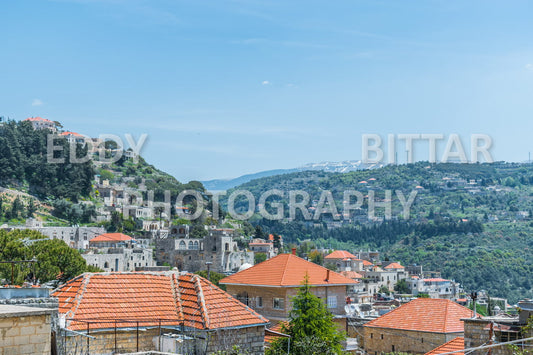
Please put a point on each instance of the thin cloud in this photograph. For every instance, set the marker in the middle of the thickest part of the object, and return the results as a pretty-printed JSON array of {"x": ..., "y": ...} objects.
[
  {"x": 529, "y": 67},
  {"x": 37, "y": 102},
  {"x": 265, "y": 82}
]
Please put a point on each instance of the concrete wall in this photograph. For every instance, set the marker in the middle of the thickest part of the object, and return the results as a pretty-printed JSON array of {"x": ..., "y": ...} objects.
[
  {"x": 24, "y": 330},
  {"x": 378, "y": 340}
]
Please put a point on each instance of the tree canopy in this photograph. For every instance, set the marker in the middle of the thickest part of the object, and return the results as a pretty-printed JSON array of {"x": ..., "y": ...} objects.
[{"x": 310, "y": 327}]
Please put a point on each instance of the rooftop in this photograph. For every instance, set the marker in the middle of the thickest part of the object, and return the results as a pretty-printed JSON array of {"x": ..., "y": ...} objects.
[
  {"x": 111, "y": 237},
  {"x": 425, "y": 315},
  {"x": 341, "y": 254},
  {"x": 286, "y": 270},
  {"x": 394, "y": 266},
  {"x": 453, "y": 345},
  {"x": 175, "y": 298},
  {"x": 37, "y": 119}
]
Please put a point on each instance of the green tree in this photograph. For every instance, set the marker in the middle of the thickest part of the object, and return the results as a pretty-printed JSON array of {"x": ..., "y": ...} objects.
[
  {"x": 259, "y": 257},
  {"x": 401, "y": 287},
  {"x": 310, "y": 326}
]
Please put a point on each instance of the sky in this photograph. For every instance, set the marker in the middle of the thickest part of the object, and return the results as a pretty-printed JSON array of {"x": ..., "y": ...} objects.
[{"x": 225, "y": 88}]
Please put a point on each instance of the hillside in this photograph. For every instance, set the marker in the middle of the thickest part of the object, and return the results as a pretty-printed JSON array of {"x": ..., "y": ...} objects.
[
  {"x": 472, "y": 222},
  {"x": 335, "y": 167}
]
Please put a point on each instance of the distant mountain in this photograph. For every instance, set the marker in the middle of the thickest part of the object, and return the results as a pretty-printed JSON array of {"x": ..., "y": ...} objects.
[{"x": 332, "y": 167}]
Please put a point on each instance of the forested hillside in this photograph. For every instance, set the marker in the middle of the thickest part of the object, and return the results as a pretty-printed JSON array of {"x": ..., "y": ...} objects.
[
  {"x": 24, "y": 164},
  {"x": 473, "y": 222}
]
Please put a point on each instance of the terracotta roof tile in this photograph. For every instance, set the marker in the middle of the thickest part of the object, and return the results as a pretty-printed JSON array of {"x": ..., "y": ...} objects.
[
  {"x": 351, "y": 274},
  {"x": 37, "y": 119},
  {"x": 175, "y": 298},
  {"x": 425, "y": 315},
  {"x": 286, "y": 270},
  {"x": 453, "y": 345},
  {"x": 340, "y": 254},
  {"x": 111, "y": 237},
  {"x": 394, "y": 266}
]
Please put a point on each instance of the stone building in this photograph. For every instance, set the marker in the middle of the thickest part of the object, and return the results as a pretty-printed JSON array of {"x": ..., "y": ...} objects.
[
  {"x": 269, "y": 286},
  {"x": 41, "y": 123},
  {"x": 416, "y": 327},
  {"x": 141, "y": 311},
  {"x": 434, "y": 287},
  {"x": 118, "y": 252},
  {"x": 502, "y": 327},
  {"x": 191, "y": 254},
  {"x": 25, "y": 330}
]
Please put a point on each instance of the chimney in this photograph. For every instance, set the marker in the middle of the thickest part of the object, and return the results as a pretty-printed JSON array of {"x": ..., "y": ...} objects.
[
  {"x": 293, "y": 251},
  {"x": 327, "y": 276}
]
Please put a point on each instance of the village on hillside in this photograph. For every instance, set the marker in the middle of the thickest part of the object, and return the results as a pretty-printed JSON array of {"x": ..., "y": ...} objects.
[{"x": 171, "y": 288}]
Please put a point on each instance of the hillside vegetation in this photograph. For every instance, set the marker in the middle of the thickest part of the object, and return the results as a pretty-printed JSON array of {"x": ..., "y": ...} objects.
[{"x": 470, "y": 221}]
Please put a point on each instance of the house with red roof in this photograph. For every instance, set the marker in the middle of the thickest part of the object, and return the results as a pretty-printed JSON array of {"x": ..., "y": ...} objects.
[
  {"x": 269, "y": 286},
  {"x": 416, "y": 327},
  {"x": 344, "y": 261},
  {"x": 154, "y": 311},
  {"x": 41, "y": 123},
  {"x": 117, "y": 252},
  {"x": 73, "y": 137}
]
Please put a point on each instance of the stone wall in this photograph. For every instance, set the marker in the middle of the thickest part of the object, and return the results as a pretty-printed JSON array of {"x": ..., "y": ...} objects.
[
  {"x": 249, "y": 295},
  {"x": 378, "y": 340},
  {"x": 24, "y": 330},
  {"x": 251, "y": 339}
]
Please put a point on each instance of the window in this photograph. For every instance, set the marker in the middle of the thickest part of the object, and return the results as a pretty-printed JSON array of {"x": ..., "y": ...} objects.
[
  {"x": 371, "y": 335},
  {"x": 259, "y": 302},
  {"x": 279, "y": 303},
  {"x": 332, "y": 301},
  {"x": 382, "y": 337},
  {"x": 393, "y": 348}
]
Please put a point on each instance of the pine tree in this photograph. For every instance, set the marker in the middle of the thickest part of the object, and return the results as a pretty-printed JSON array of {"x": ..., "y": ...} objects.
[{"x": 310, "y": 326}]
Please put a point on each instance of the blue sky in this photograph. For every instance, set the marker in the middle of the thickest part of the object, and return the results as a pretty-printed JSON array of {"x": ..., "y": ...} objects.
[{"x": 225, "y": 88}]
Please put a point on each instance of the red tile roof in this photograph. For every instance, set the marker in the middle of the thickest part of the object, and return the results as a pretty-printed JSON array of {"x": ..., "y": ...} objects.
[
  {"x": 71, "y": 134},
  {"x": 286, "y": 270},
  {"x": 367, "y": 263},
  {"x": 453, "y": 345},
  {"x": 394, "y": 266},
  {"x": 175, "y": 298},
  {"x": 425, "y": 315},
  {"x": 351, "y": 274},
  {"x": 435, "y": 280},
  {"x": 37, "y": 119},
  {"x": 111, "y": 237},
  {"x": 340, "y": 254}
]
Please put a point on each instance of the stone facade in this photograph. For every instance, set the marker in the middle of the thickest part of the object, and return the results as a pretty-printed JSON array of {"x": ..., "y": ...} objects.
[
  {"x": 25, "y": 330},
  {"x": 383, "y": 340},
  {"x": 125, "y": 258},
  {"x": 250, "y": 339},
  {"x": 275, "y": 302},
  {"x": 191, "y": 254}
]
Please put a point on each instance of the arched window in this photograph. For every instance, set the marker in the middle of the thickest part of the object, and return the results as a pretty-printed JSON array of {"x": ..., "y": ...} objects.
[
  {"x": 182, "y": 245},
  {"x": 196, "y": 245},
  {"x": 106, "y": 265},
  {"x": 191, "y": 244},
  {"x": 226, "y": 247}
]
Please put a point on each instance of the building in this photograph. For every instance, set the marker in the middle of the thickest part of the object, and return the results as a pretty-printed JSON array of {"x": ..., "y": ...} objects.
[
  {"x": 218, "y": 248},
  {"x": 25, "y": 330},
  {"x": 453, "y": 345},
  {"x": 344, "y": 261},
  {"x": 73, "y": 137},
  {"x": 269, "y": 286},
  {"x": 434, "y": 287},
  {"x": 154, "y": 311},
  {"x": 117, "y": 252},
  {"x": 263, "y": 247},
  {"x": 76, "y": 237},
  {"x": 41, "y": 123},
  {"x": 417, "y": 327},
  {"x": 500, "y": 328}
]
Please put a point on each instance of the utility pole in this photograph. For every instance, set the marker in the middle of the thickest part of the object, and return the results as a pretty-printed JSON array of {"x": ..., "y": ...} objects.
[
  {"x": 208, "y": 263},
  {"x": 13, "y": 262}
]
